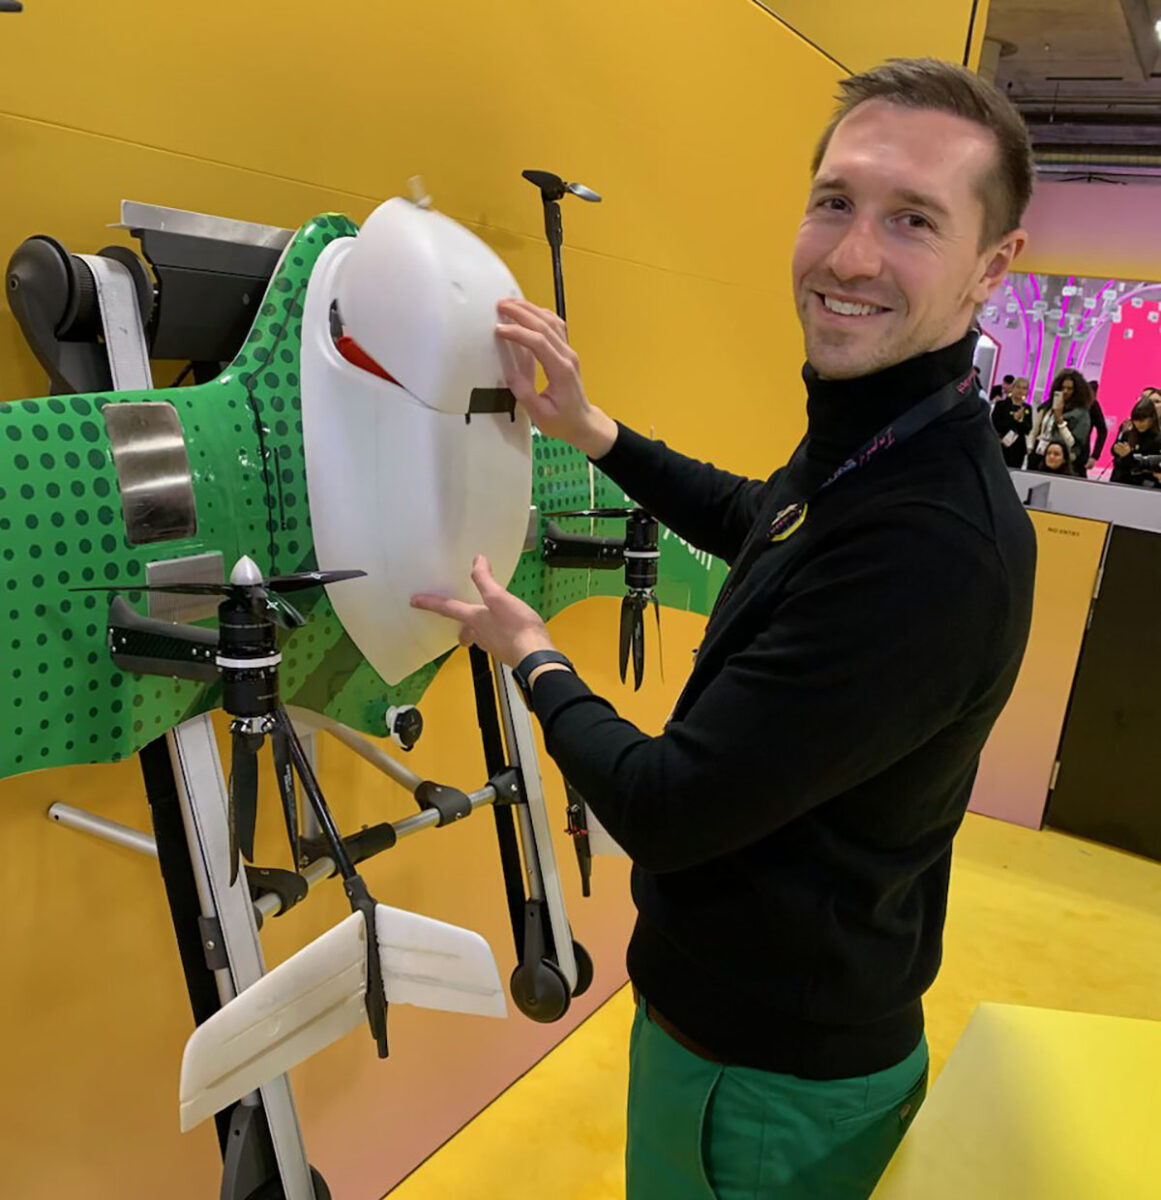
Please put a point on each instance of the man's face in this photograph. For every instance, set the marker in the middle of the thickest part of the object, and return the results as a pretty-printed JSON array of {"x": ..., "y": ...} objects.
[{"x": 891, "y": 239}]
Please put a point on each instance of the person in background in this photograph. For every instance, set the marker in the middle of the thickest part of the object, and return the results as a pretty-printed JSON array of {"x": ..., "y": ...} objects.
[
  {"x": 1055, "y": 460},
  {"x": 1140, "y": 434},
  {"x": 1153, "y": 394},
  {"x": 1001, "y": 390},
  {"x": 1012, "y": 420},
  {"x": 1100, "y": 428},
  {"x": 1063, "y": 416}
]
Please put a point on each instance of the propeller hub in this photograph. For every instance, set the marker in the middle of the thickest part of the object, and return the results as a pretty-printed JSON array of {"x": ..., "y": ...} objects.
[{"x": 245, "y": 572}]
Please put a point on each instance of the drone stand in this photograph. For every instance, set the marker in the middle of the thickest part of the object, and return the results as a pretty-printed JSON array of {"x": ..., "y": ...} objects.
[
  {"x": 236, "y": 1064},
  {"x": 233, "y": 954},
  {"x": 214, "y": 920}
]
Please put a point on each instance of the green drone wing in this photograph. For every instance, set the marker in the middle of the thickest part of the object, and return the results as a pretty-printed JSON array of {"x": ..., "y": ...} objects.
[{"x": 62, "y": 698}]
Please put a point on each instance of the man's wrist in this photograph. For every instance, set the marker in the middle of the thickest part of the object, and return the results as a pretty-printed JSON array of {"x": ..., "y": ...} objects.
[
  {"x": 540, "y": 670},
  {"x": 599, "y": 435},
  {"x": 528, "y": 644}
]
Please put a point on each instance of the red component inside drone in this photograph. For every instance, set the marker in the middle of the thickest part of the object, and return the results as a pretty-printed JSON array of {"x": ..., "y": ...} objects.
[{"x": 358, "y": 357}]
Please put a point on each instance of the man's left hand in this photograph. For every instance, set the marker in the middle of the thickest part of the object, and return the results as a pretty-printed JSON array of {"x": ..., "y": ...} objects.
[{"x": 503, "y": 625}]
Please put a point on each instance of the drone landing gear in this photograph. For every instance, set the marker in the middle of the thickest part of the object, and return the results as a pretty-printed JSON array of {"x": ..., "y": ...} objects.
[
  {"x": 538, "y": 986},
  {"x": 551, "y": 966},
  {"x": 249, "y": 1171}
]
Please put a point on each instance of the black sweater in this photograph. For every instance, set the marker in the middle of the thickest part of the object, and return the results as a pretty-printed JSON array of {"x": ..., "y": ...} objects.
[
  {"x": 1004, "y": 422},
  {"x": 791, "y": 829}
]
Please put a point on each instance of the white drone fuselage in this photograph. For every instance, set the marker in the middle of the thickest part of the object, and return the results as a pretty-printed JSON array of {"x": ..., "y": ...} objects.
[{"x": 405, "y": 481}]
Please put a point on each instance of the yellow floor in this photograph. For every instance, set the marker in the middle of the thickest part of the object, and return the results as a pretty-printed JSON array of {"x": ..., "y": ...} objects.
[{"x": 1035, "y": 918}]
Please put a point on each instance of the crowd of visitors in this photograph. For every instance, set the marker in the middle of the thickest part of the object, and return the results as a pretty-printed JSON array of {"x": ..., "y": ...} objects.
[{"x": 1066, "y": 432}]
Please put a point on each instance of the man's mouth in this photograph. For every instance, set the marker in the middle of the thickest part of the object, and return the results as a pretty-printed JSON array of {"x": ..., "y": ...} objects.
[{"x": 850, "y": 308}]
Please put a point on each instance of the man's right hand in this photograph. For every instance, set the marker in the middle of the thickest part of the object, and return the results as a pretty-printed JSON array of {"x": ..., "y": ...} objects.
[
  {"x": 1120, "y": 449},
  {"x": 531, "y": 335}
]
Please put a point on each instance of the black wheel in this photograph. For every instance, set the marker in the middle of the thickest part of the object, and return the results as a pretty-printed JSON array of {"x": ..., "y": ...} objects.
[
  {"x": 584, "y": 969},
  {"x": 540, "y": 992}
]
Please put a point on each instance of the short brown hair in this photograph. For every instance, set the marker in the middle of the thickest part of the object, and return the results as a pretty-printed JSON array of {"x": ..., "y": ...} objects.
[{"x": 930, "y": 83}]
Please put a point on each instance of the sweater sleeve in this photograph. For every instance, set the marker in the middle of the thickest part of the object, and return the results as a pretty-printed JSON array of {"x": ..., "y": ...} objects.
[
  {"x": 1079, "y": 426},
  {"x": 877, "y": 645},
  {"x": 1101, "y": 426},
  {"x": 710, "y": 508},
  {"x": 1001, "y": 420}
]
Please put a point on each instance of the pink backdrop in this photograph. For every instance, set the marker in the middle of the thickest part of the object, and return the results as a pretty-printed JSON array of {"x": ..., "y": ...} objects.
[
  {"x": 1131, "y": 363},
  {"x": 1095, "y": 236}
]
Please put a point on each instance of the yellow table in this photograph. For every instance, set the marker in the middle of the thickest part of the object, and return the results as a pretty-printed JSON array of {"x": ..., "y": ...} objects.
[{"x": 1035, "y": 1104}]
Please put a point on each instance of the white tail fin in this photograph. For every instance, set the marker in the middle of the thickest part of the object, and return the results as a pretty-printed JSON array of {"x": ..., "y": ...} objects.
[{"x": 317, "y": 995}]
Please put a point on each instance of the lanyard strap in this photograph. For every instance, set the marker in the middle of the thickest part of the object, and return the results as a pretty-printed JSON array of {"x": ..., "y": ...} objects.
[
  {"x": 915, "y": 419},
  {"x": 909, "y": 423}
]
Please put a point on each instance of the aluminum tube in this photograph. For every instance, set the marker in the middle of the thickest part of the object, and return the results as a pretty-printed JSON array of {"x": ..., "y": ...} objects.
[{"x": 109, "y": 831}]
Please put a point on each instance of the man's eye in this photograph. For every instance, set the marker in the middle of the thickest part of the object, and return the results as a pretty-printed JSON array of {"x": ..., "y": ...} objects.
[
  {"x": 916, "y": 221},
  {"x": 833, "y": 203}
]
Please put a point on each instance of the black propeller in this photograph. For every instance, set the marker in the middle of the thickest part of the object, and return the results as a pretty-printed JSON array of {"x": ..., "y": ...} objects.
[
  {"x": 263, "y": 596},
  {"x": 553, "y": 189},
  {"x": 639, "y": 555},
  {"x": 632, "y": 636},
  {"x": 247, "y": 657},
  {"x": 597, "y": 513}
]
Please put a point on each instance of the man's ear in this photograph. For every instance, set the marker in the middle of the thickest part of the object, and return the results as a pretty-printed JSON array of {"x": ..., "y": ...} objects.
[{"x": 998, "y": 263}]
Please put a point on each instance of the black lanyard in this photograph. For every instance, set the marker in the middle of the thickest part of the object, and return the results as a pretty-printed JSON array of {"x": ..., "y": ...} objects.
[{"x": 772, "y": 528}]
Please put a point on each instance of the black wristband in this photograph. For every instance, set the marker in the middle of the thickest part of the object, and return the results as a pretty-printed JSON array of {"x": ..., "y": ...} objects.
[{"x": 529, "y": 663}]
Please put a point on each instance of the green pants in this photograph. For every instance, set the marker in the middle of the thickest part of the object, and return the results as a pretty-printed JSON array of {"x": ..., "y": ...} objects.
[{"x": 700, "y": 1131}]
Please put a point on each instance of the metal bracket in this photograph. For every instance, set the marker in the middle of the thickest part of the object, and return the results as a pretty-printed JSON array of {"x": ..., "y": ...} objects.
[
  {"x": 449, "y": 802},
  {"x": 289, "y": 886},
  {"x": 507, "y": 784},
  {"x": 212, "y": 944}
]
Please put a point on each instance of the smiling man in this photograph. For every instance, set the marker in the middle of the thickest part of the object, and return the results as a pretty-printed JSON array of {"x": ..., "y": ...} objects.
[{"x": 791, "y": 828}]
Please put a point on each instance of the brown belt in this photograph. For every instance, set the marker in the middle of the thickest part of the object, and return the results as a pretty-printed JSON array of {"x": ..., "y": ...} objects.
[{"x": 680, "y": 1038}]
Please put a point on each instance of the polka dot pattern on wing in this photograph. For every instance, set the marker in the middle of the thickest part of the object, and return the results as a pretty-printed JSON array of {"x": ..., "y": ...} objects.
[
  {"x": 62, "y": 508},
  {"x": 60, "y": 515}
]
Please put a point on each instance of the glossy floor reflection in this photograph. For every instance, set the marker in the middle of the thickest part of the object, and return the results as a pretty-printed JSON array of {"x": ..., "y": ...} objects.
[{"x": 1035, "y": 918}]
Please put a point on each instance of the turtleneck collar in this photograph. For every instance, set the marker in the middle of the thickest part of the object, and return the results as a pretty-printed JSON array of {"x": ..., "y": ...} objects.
[{"x": 842, "y": 414}]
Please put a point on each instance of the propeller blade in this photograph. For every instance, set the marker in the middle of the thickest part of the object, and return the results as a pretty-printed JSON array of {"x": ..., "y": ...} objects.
[
  {"x": 282, "y": 612},
  {"x": 243, "y": 809},
  {"x": 309, "y": 579},
  {"x": 284, "y": 770},
  {"x": 657, "y": 614},
  {"x": 180, "y": 589},
  {"x": 280, "y": 583},
  {"x": 626, "y": 634},
  {"x": 638, "y": 641},
  {"x": 584, "y": 193},
  {"x": 596, "y": 513}
]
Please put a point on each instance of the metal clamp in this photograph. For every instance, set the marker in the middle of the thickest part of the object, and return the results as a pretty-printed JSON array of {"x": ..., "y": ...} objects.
[{"x": 450, "y": 803}]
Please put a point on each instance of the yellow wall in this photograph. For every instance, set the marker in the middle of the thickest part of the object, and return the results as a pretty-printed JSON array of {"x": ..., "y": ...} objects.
[
  {"x": 858, "y": 35},
  {"x": 695, "y": 118}
]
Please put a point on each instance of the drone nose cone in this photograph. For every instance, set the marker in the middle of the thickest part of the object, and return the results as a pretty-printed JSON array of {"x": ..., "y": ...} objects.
[{"x": 245, "y": 572}]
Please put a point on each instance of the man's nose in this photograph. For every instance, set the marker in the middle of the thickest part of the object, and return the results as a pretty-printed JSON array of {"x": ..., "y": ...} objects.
[{"x": 858, "y": 255}]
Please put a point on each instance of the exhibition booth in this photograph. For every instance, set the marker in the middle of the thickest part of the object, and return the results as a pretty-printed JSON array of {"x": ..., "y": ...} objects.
[{"x": 295, "y": 894}]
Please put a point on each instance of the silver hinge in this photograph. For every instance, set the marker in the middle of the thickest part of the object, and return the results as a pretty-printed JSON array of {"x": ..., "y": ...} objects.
[{"x": 1055, "y": 775}]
